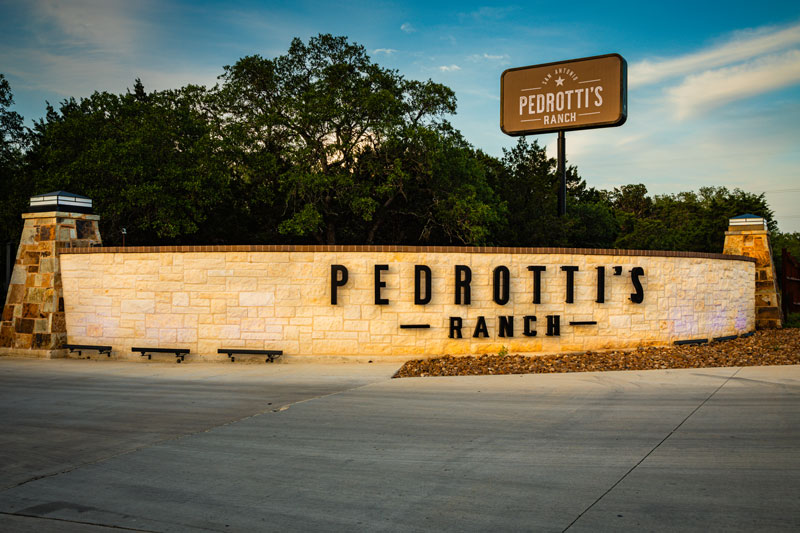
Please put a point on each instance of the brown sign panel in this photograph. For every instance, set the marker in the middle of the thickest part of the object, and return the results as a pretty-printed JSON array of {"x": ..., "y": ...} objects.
[{"x": 567, "y": 95}]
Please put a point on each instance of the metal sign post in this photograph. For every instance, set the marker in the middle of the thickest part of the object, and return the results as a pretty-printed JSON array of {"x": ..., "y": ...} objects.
[
  {"x": 562, "y": 173},
  {"x": 564, "y": 96}
]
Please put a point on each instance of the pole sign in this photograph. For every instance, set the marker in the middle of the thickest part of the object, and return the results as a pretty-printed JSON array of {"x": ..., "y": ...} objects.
[{"x": 566, "y": 95}]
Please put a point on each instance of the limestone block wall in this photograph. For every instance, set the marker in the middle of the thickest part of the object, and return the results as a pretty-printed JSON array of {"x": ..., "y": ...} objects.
[{"x": 279, "y": 297}]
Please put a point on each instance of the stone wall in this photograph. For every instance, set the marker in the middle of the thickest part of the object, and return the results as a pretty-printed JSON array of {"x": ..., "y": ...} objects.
[
  {"x": 279, "y": 297},
  {"x": 753, "y": 241},
  {"x": 33, "y": 321}
]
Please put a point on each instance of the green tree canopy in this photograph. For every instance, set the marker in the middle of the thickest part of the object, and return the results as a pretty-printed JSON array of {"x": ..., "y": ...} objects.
[
  {"x": 685, "y": 221},
  {"x": 13, "y": 187},
  {"x": 345, "y": 141},
  {"x": 146, "y": 159},
  {"x": 526, "y": 181}
]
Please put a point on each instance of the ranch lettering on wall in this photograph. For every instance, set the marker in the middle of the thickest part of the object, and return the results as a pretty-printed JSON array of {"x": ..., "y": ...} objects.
[{"x": 501, "y": 292}]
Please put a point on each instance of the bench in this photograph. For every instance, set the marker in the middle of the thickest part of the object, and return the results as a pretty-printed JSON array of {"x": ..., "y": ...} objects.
[
  {"x": 180, "y": 353},
  {"x": 80, "y": 347},
  {"x": 271, "y": 354}
]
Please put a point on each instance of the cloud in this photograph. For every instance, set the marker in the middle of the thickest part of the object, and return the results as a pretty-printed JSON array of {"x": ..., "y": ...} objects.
[
  {"x": 449, "y": 68},
  {"x": 67, "y": 47},
  {"x": 387, "y": 51},
  {"x": 487, "y": 13},
  {"x": 749, "y": 63},
  {"x": 483, "y": 94},
  {"x": 502, "y": 58},
  {"x": 408, "y": 28},
  {"x": 113, "y": 26},
  {"x": 743, "y": 46},
  {"x": 715, "y": 88},
  {"x": 75, "y": 48}
]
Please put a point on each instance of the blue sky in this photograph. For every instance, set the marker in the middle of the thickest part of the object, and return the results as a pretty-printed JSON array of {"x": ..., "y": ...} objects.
[{"x": 714, "y": 87}]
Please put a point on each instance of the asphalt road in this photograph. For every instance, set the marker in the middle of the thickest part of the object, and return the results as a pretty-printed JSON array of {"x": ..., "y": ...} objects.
[{"x": 103, "y": 445}]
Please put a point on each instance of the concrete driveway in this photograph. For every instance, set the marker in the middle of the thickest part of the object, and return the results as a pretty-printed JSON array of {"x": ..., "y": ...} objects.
[{"x": 100, "y": 445}]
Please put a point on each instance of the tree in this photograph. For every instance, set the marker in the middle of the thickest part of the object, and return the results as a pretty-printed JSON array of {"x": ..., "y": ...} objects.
[
  {"x": 781, "y": 241},
  {"x": 685, "y": 221},
  {"x": 526, "y": 182},
  {"x": 14, "y": 188},
  {"x": 632, "y": 199},
  {"x": 342, "y": 138},
  {"x": 148, "y": 160},
  {"x": 12, "y": 132},
  {"x": 590, "y": 223},
  {"x": 441, "y": 196}
]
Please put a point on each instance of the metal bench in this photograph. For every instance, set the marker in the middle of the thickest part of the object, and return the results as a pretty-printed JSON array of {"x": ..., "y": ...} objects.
[
  {"x": 81, "y": 347},
  {"x": 270, "y": 354},
  {"x": 179, "y": 353}
]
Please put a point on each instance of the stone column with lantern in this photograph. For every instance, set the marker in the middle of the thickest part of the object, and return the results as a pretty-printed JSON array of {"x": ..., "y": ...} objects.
[
  {"x": 33, "y": 321},
  {"x": 748, "y": 235}
]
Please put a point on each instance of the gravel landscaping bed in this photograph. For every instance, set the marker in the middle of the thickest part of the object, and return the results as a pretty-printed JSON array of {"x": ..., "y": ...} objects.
[{"x": 768, "y": 347}]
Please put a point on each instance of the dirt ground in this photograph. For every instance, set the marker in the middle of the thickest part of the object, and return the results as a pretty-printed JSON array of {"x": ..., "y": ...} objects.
[{"x": 768, "y": 347}]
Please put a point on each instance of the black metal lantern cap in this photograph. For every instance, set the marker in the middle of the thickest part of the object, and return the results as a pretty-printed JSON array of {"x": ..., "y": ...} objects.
[{"x": 60, "y": 201}]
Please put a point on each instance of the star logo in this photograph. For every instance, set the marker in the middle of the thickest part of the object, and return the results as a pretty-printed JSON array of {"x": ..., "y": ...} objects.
[{"x": 560, "y": 81}]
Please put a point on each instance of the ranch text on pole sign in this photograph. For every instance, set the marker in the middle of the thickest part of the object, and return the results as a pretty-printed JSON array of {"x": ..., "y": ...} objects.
[{"x": 566, "y": 95}]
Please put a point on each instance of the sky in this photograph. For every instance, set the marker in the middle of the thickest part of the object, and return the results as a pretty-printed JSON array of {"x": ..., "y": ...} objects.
[{"x": 713, "y": 87}]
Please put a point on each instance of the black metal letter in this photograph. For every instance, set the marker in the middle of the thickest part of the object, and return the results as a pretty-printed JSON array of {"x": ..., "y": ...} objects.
[
  {"x": 455, "y": 327},
  {"x": 337, "y": 281},
  {"x": 528, "y": 326},
  {"x": 506, "y": 326},
  {"x": 553, "y": 325},
  {"x": 601, "y": 285},
  {"x": 379, "y": 284},
  {"x": 638, "y": 296},
  {"x": 480, "y": 328},
  {"x": 570, "y": 270},
  {"x": 418, "y": 270},
  {"x": 537, "y": 282},
  {"x": 502, "y": 282},
  {"x": 463, "y": 279}
]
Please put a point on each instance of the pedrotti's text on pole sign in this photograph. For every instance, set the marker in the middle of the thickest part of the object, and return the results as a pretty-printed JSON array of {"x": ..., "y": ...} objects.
[{"x": 567, "y": 95}]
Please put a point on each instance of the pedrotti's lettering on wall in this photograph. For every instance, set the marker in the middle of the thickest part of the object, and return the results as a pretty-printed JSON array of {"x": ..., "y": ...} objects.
[{"x": 500, "y": 287}]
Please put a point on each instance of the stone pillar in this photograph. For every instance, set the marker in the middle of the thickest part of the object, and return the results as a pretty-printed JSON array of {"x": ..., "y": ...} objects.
[
  {"x": 33, "y": 316},
  {"x": 747, "y": 235}
]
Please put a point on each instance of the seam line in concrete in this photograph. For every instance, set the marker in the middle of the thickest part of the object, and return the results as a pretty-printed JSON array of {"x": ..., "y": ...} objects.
[
  {"x": 634, "y": 467},
  {"x": 178, "y": 437},
  {"x": 123, "y": 528}
]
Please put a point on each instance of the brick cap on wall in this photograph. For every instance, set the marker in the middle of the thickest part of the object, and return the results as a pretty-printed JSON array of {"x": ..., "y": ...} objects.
[{"x": 361, "y": 248}]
